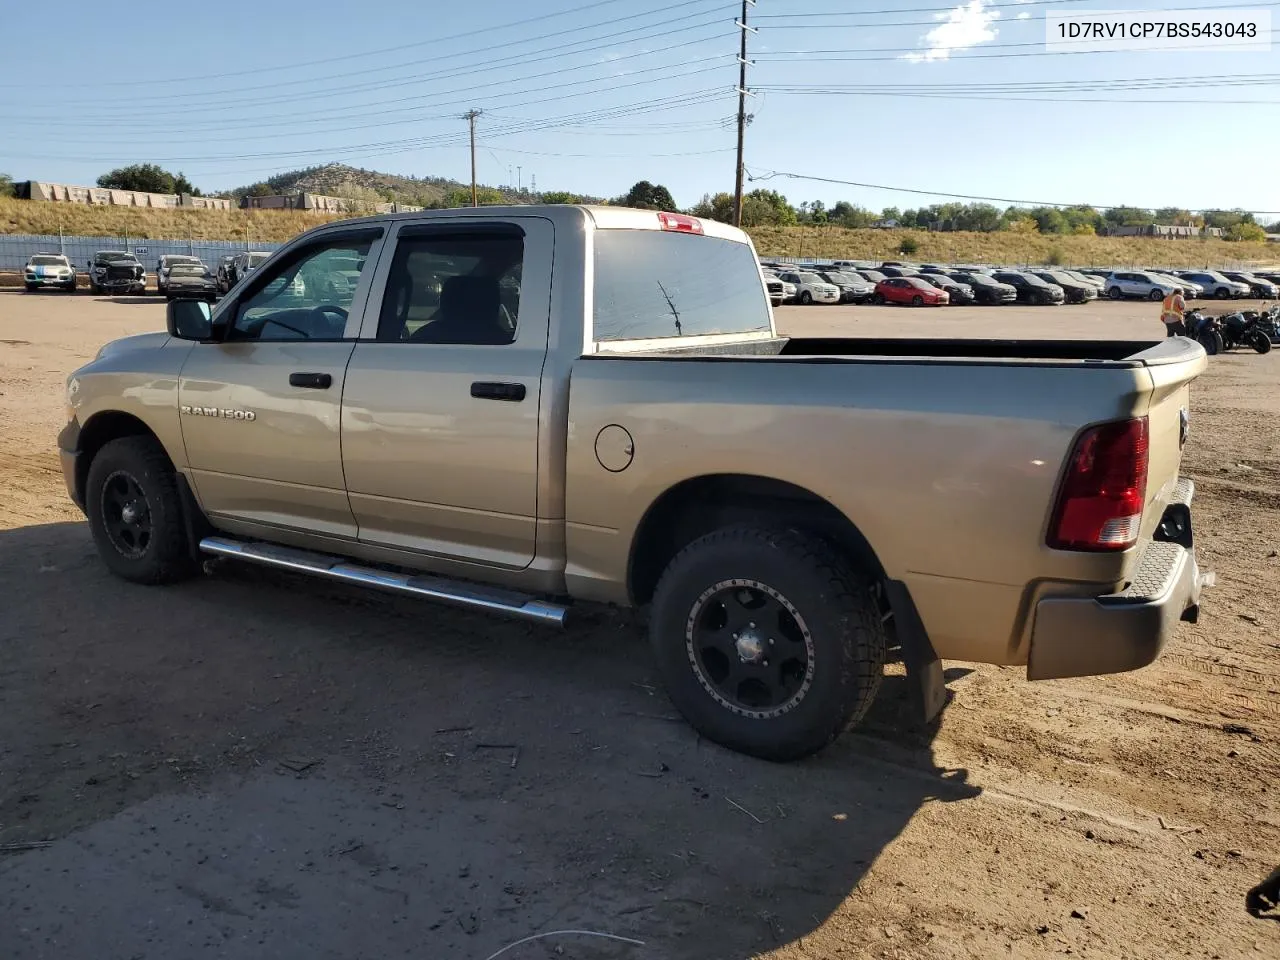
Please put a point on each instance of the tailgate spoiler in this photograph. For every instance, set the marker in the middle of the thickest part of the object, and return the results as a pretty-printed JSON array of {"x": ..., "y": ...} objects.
[{"x": 1175, "y": 350}]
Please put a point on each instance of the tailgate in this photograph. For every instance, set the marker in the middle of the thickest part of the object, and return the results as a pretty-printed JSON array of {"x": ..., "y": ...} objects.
[{"x": 1172, "y": 365}]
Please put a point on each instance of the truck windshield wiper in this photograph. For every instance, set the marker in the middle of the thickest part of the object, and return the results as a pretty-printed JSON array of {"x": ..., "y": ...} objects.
[{"x": 674, "y": 312}]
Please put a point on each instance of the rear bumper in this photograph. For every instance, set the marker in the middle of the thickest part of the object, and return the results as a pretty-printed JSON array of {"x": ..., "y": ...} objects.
[{"x": 1112, "y": 633}]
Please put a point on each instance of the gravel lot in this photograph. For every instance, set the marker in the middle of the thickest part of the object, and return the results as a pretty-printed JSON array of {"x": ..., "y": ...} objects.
[{"x": 256, "y": 765}]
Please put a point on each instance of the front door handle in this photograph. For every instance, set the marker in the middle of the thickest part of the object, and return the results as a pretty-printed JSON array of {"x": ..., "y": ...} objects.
[
  {"x": 313, "y": 381},
  {"x": 487, "y": 390}
]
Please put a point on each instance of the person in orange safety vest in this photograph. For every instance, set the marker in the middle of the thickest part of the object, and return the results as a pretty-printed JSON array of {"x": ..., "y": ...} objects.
[{"x": 1172, "y": 312}]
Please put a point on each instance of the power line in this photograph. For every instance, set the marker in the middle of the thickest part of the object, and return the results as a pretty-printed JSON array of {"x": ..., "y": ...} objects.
[
  {"x": 811, "y": 56},
  {"x": 556, "y": 52},
  {"x": 772, "y": 174},
  {"x": 896, "y": 10},
  {"x": 936, "y": 22},
  {"x": 434, "y": 41},
  {"x": 649, "y": 104},
  {"x": 305, "y": 117}
]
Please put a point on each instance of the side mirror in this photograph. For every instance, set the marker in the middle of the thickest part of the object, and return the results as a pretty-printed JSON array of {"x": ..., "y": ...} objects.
[{"x": 190, "y": 320}]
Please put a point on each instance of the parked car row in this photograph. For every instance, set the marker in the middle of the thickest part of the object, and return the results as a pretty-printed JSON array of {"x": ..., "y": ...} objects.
[
  {"x": 933, "y": 284},
  {"x": 121, "y": 272}
]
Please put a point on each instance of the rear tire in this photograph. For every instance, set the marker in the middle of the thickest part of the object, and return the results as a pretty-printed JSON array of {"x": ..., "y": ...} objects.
[
  {"x": 816, "y": 618},
  {"x": 1212, "y": 343},
  {"x": 135, "y": 512},
  {"x": 1114, "y": 293}
]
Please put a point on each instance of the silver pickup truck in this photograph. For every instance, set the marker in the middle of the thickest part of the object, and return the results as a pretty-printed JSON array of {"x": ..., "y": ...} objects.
[{"x": 518, "y": 409}]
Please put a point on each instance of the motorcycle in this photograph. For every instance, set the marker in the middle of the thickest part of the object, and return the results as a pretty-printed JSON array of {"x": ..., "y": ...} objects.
[
  {"x": 1244, "y": 328},
  {"x": 1207, "y": 331},
  {"x": 1268, "y": 321}
]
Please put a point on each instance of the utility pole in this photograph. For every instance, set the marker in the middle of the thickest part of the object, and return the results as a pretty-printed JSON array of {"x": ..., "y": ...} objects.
[
  {"x": 520, "y": 179},
  {"x": 470, "y": 117},
  {"x": 742, "y": 110}
]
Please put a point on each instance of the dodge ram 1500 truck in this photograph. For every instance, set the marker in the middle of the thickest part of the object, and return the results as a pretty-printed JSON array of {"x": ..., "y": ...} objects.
[{"x": 515, "y": 409}]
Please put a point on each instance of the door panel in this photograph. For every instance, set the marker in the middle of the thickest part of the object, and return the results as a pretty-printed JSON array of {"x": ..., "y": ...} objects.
[
  {"x": 440, "y": 450},
  {"x": 283, "y": 466},
  {"x": 261, "y": 410}
]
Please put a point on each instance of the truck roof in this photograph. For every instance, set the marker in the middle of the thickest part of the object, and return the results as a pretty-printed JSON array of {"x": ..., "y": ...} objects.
[{"x": 602, "y": 216}]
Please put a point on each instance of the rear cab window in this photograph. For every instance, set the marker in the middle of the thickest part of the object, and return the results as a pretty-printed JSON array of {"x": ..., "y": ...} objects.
[{"x": 663, "y": 285}]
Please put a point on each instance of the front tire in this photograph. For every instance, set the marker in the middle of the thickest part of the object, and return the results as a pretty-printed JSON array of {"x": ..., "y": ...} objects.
[
  {"x": 1260, "y": 341},
  {"x": 1224, "y": 294},
  {"x": 768, "y": 641},
  {"x": 806, "y": 298},
  {"x": 31, "y": 287},
  {"x": 135, "y": 512},
  {"x": 917, "y": 301},
  {"x": 1114, "y": 293}
]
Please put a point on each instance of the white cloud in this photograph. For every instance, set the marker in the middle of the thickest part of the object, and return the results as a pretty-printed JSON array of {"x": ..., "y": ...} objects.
[
  {"x": 968, "y": 25},
  {"x": 1023, "y": 15}
]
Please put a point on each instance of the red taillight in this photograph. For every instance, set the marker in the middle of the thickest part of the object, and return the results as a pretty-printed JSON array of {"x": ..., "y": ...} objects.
[
  {"x": 680, "y": 223},
  {"x": 1100, "y": 503}
]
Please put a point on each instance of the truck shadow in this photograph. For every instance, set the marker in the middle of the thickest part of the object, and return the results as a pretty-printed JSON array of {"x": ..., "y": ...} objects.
[{"x": 499, "y": 779}]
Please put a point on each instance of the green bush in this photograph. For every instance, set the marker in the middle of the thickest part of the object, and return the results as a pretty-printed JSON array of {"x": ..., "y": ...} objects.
[{"x": 908, "y": 246}]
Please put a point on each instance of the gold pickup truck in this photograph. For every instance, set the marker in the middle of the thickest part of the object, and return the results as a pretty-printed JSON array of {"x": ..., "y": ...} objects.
[{"x": 518, "y": 409}]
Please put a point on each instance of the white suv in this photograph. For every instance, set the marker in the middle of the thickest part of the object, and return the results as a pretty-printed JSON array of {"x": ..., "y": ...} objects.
[
  {"x": 811, "y": 288},
  {"x": 48, "y": 270},
  {"x": 1125, "y": 283}
]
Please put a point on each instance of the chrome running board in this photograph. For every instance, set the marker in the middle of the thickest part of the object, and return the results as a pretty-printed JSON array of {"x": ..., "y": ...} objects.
[{"x": 453, "y": 592}]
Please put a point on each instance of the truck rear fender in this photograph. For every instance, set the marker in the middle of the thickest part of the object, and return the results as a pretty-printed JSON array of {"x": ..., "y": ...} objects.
[{"x": 699, "y": 505}]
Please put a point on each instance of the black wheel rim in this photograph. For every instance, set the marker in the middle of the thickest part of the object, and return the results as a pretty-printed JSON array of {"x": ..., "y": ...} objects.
[
  {"x": 750, "y": 648},
  {"x": 126, "y": 515}
]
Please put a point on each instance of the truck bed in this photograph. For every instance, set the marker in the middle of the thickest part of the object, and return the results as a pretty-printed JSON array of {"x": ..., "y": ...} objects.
[{"x": 1073, "y": 353}]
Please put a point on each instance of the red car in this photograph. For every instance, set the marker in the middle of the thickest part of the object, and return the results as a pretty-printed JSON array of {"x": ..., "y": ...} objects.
[{"x": 910, "y": 290}]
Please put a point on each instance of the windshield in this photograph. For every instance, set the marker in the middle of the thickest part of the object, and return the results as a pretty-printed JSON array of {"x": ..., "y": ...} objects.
[
  {"x": 109, "y": 255},
  {"x": 658, "y": 284},
  {"x": 976, "y": 279},
  {"x": 39, "y": 261},
  {"x": 1057, "y": 276},
  {"x": 921, "y": 284},
  {"x": 810, "y": 278},
  {"x": 176, "y": 258},
  {"x": 875, "y": 276},
  {"x": 257, "y": 258}
]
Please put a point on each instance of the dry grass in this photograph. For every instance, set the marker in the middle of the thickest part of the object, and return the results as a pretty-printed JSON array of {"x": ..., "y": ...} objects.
[
  {"x": 1007, "y": 247},
  {"x": 24, "y": 216}
]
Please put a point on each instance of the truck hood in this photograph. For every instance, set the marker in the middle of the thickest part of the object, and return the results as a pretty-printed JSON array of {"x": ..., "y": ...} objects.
[{"x": 125, "y": 344}]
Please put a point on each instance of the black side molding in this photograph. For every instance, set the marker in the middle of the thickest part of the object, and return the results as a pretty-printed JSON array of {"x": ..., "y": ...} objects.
[{"x": 488, "y": 390}]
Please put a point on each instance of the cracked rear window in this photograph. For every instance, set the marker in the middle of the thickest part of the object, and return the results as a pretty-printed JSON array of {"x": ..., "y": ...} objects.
[{"x": 653, "y": 284}]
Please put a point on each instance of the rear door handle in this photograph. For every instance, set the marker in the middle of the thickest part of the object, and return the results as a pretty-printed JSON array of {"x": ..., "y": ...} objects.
[
  {"x": 313, "y": 381},
  {"x": 488, "y": 390}
]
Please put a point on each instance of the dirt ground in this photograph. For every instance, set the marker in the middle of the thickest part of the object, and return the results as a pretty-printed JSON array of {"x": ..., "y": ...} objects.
[{"x": 257, "y": 765}]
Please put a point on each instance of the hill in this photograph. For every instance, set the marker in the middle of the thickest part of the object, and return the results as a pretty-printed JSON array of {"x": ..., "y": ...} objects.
[{"x": 338, "y": 179}]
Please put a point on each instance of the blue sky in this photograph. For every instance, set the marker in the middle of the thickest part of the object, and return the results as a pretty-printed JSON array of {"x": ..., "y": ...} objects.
[{"x": 594, "y": 96}]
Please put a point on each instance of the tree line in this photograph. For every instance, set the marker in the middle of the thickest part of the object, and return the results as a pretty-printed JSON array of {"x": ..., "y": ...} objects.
[
  {"x": 760, "y": 208},
  {"x": 770, "y": 208}
]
